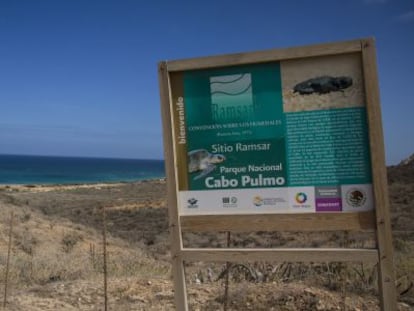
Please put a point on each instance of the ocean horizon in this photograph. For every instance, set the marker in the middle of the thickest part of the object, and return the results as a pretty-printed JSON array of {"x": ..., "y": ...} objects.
[{"x": 48, "y": 170}]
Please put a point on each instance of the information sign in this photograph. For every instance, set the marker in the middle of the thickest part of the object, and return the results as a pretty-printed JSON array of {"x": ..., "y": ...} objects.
[
  {"x": 278, "y": 140},
  {"x": 279, "y": 137}
]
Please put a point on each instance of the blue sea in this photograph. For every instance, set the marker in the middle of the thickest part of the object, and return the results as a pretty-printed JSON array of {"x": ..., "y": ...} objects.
[{"x": 17, "y": 169}]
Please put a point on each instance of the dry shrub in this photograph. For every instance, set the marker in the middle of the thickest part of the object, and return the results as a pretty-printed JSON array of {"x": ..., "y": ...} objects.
[{"x": 69, "y": 240}]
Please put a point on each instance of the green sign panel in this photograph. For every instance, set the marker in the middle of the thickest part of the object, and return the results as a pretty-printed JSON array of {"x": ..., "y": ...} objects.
[
  {"x": 286, "y": 136},
  {"x": 237, "y": 116}
]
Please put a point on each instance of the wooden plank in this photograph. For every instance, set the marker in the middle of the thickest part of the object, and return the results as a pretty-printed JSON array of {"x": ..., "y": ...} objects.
[
  {"x": 280, "y": 222},
  {"x": 180, "y": 292},
  {"x": 379, "y": 175},
  {"x": 176, "y": 81},
  {"x": 282, "y": 254},
  {"x": 264, "y": 56}
]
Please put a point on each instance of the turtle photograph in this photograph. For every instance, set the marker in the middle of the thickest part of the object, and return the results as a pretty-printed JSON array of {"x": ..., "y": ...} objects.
[
  {"x": 319, "y": 83},
  {"x": 203, "y": 162},
  {"x": 322, "y": 85}
]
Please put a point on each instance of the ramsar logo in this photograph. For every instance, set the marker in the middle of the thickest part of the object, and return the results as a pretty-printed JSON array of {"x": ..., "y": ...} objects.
[{"x": 231, "y": 97}]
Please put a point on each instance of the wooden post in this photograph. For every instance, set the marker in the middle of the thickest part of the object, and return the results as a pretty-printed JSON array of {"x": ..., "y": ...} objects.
[
  {"x": 386, "y": 280},
  {"x": 227, "y": 278},
  {"x": 6, "y": 277},
  {"x": 180, "y": 292},
  {"x": 105, "y": 269}
]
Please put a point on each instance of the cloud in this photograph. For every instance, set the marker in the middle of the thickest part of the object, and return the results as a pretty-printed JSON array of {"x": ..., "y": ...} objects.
[{"x": 406, "y": 17}]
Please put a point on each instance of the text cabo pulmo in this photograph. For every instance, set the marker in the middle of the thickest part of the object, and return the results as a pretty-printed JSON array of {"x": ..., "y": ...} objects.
[{"x": 245, "y": 180}]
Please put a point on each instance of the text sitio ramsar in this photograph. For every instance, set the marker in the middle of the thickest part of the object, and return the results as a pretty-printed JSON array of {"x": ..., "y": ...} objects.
[{"x": 234, "y": 125}]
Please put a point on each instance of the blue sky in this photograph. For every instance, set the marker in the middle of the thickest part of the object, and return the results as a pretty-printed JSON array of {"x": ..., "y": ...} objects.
[{"x": 79, "y": 77}]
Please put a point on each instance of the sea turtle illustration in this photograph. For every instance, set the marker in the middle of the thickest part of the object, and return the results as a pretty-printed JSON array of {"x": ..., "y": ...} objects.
[
  {"x": 204, "y": 161},
  {"x": 322, "y": 85}
]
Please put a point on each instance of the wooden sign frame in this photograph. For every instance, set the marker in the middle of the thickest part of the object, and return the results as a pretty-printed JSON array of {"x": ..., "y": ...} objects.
[{"x": 377, "y": 220}]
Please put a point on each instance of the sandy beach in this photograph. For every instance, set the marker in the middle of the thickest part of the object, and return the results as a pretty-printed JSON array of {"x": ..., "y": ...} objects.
[{"x": 56, "y": 258}]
